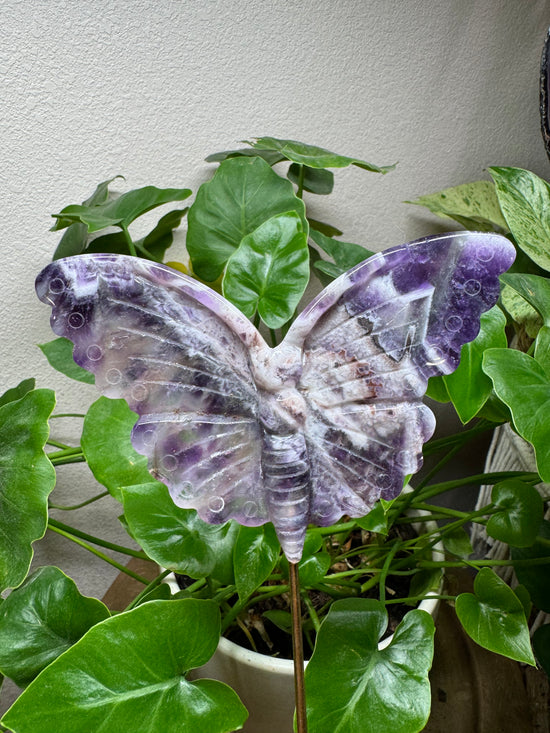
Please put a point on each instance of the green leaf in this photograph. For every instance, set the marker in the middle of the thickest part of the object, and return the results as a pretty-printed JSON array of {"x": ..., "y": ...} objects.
[
  {"x": 345, "y": 254},
  {"x": 458, "y": 543},
  {"x": 15, "y": 393},
  {"x": 128, "y": 673},
  {"x": 153, "y": 246},
  {"x": 270, "y": 156},
  {"x": 281, "y": 619},
  {"x": 532, "y": 288},
  {"x": 542, "y": 348},
  {"x": 437, "y": 390},
  {"x": 525, "y": 202},
  {"x": 40, "y": 620},
  {"x": 243, "y": 194},
  {"x": 536, "y": 578},
  {"x": 256, "y": 553},
  {"x": 123, "y": 210},
  {"x": 493, "y": 617},
  {"x": 473, "y": 205},
  {"x": 74, "y": 240},
  {"x": 369, "y": 690},
  {"x": 520, "y": 513},
  {"x": 315, "y": 180},
  {"x": 313, "y": 156},
  {"x": 161, "y": 237},
  {"x": 108, "y": 449},
  {"x": 541, "y": 645},
  {"x": 327, "y": 229},
  {"x": 26, "y": 479},
  {"x": 376, "y": 520},
  {"x": 520, "y": 311},
  {"x": 523, "y": 384},
  {"x": 425, "y": 582},
  {"x": 59, "y": 354},
  {"x": 468, "y": 386},
  {"x": 177, "y": 538},
  {"x": 269, "y": 271}
]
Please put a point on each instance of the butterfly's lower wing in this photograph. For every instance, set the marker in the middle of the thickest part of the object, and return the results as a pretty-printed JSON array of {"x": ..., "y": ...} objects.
[
  {"x": 370, "y": 342},
  {"x": 179, "y": 355}
]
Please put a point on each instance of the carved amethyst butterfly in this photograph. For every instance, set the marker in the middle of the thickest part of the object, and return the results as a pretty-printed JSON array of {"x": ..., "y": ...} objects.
[{"x": 320, "y": 426}]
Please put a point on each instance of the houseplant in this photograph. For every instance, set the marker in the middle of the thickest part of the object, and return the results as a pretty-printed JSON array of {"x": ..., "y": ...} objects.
[{"x": 120, "y": 670}]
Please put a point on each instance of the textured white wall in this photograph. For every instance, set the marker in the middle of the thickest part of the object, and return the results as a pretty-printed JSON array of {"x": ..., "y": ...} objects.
[{"x": 148, "y": 89}]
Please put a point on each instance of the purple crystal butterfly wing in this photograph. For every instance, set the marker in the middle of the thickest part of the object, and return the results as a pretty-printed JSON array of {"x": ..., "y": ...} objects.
[
  {"x": 370, "y": 342},
  {"x": 169, "y": 346},
  {"x": 319, "y": 427}
]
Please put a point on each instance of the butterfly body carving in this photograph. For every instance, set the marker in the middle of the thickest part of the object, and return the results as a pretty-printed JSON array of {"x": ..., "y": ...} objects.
[{"x": 320, "y": 426}]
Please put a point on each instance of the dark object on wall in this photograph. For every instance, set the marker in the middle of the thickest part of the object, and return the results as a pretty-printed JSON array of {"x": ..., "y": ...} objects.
[{"x": 544, "y": 93}]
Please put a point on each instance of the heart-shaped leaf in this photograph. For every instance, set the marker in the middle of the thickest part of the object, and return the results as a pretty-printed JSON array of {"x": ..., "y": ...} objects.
[
  {"x": 15, "y": 393},
  {"x": 458, "y": 542},
  {"x": 128, "y": 673},
  {"x": 523, "y": 384},
  {"x": 524, "y": 199},
  {"x": 59, "y": 354},
  {"x": 108, "y": 449},
  {"x": 473, "y": 205},
  {"x": 520, "y": 513},
  {"x": 242, "y": 195},
  {"x": 269, "y": 271},
  {"x": 312, "y": 155},
  {"x": 493, "y": 617},
  {"x": 40, "y": 620},
  {"x": 468, "y": 386},
  {"x": 353, "y": 686},
  {"x": 376, "y": 520},
  {"x": 535, "y": 577},
  {"x": 26, "y": 479},
  {"x": 257, "y": 551},
  {"x": 121, "y": 211},
  {"x": 177, "y": 538}
]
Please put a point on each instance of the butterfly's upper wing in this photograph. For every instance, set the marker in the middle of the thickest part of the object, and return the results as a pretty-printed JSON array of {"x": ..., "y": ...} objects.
[
  {"x": 370, "y": 342},
  {"x": 179, "y": 354}
]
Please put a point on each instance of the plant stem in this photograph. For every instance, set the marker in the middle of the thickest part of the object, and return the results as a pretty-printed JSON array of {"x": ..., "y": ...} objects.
[
  {"x": 301, "y": 176},
  {"x": 101, "y": 555},
  {"x": 131, "y": 245},
  {"x": 55, "y": 524},
  {"x": 78, "y": 506},
  {"x": 153, "y": 584},
  {"x": 484, "y": 563},
  {"x": 245, "y": 603},
  {"x": 297, "y": 648},
  {"x": 479, "y": 478},
  {"x": 67, "y": 414},
  {"x": 385, "y": 570},
  {"x": 312, "y": 612},
  {"x": 435, "y": 446},
  {"x": 419, "y": 599}
]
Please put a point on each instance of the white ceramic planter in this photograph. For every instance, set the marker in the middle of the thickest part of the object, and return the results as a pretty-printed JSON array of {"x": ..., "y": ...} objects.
[{"x": 266, "y": 684}]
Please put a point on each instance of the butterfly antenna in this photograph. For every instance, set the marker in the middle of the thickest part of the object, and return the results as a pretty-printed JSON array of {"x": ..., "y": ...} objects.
[{"x": 297, "y": 649}]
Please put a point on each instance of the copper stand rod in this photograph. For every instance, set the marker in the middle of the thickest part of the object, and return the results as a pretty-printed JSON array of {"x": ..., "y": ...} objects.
[{"x": 297, "y": 649}]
